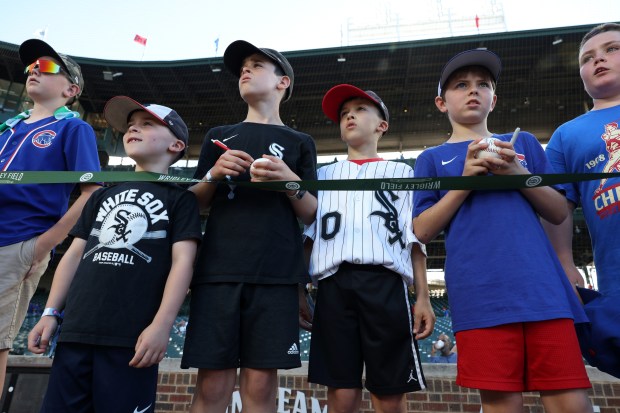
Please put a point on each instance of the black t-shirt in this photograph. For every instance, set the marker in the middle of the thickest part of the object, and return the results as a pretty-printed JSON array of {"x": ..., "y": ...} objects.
[
  {"x": 253, "y": 235},
  {"x": 119, "y": 283}
]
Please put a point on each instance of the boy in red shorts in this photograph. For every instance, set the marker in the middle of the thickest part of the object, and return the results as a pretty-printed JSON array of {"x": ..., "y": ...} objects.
[{"x": 513, "y": 309}]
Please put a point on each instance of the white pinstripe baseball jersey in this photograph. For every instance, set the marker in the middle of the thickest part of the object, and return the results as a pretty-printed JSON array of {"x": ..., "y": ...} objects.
[{"x": 363, "y": 227}]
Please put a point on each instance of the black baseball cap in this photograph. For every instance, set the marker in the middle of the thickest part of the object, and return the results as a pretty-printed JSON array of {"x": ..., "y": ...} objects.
[
  {"x": 32, "y": 49},
  {"x": 339, "y": 94},
  {"x": 118, "y": 110},
  {"x": 474, "y": 57},
  {"x": 239, "y": 50}
]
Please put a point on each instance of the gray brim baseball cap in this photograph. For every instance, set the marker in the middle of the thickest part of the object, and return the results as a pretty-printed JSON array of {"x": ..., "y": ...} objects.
[
  {"x": 118, "y": 109},
  {"x": 239, "y": 50}
]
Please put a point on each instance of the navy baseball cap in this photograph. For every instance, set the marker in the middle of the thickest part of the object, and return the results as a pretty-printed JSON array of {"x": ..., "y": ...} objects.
[
  {"x": 32, "y": 49},
  {"x": 600, "y": 339},
  {"x": 118, "y": 109},
  {"x": 239, "y": 50},
  {"x": 475, "y": 57},
  {"x": 339, "y": 94}
]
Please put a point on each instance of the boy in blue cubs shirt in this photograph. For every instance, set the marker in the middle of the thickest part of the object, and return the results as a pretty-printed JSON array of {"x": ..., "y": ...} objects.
[
  {"x": 124, "y": 277},
  {"x": 36, "y": 218},
  {"x": 513, "y": 309},
  {"x": 590, "y": 143}
]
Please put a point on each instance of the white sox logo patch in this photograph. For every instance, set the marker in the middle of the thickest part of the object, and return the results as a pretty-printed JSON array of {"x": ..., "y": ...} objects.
[
  {"x": 43, "y": 139},
  {"x": 125, "y": 219},
  {"x": 390, "y": 216},
  {"x": 123, "y": 227},
  {"x": 276, "y": 150}
]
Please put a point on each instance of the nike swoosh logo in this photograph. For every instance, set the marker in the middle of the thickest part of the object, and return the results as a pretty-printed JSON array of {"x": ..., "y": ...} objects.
[
  {"x": 224, "y": 140},
  {"x": 443, "y": 163},
  {"x": 141, "y": 411}
]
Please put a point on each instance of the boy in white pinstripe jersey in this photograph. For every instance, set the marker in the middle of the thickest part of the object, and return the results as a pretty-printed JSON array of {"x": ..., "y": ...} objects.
[{"x": 361, "y": 259}]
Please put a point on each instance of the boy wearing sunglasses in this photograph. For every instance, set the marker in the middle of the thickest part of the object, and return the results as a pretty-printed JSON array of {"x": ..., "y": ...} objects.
[{"x": 36, "y": 218}]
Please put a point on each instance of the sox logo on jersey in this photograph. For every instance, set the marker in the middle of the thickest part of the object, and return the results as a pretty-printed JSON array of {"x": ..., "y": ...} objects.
[
  {"x": 390, "y": 216},
  {"x": 362, "y": 227}
]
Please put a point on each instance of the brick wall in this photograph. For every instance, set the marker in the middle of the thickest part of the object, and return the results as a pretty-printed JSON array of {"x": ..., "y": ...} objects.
[
  {"x": 296, "y": 395},
  {"x": 28, "y": 378}
]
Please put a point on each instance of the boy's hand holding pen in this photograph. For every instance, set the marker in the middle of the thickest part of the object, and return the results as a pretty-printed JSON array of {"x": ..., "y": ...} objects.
[{"x": 230, "y": 163}]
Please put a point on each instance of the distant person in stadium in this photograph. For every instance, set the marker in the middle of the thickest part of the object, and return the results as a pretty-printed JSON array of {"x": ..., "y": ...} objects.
[
  {"x": 590, "y": 143},
  {"x": 513, "y": 309},
  {"x": 36, "y": 218},
  {"x": 181, "y": 327},
  {"x": 363, "y": 260},
  {"x": 246, "y": 292},
  {"x": 446, "y": 312},
  {"x": 124, "y": 277},
  {"x": 447, "y": 351}
]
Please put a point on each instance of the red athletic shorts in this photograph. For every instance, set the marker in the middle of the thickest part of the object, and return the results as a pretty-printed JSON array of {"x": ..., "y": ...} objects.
[{"x": 532, "y": 356}]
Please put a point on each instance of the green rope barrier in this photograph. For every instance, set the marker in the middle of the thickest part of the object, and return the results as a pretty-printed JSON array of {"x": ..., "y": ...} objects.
[{"x": 489, "y": 182}]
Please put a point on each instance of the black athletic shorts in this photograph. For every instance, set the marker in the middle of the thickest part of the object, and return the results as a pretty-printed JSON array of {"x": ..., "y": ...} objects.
[
  {"x": 235, "y": 325},
  {"x": 88, "y": 379},
  {"x": 363, "y": 317}
]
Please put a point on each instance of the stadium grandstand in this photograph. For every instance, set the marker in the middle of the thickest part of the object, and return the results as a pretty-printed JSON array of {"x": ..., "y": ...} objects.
[{"x": 539, "y": 89}]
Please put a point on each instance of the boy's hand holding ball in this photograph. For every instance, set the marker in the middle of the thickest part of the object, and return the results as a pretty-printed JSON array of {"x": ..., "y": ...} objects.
[{"x": 260, "y": 163}]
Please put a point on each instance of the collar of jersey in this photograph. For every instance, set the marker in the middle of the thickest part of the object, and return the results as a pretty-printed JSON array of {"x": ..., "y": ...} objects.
[
  {"x": 62, "y": 112},
  {"x": 363, "y": 161}
]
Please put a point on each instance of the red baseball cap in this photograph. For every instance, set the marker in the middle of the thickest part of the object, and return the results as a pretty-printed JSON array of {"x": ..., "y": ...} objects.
[{"x": 339, "y": 94}]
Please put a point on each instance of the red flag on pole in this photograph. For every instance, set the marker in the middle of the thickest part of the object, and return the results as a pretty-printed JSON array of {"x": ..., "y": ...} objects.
[
  {"x": 477, "y": 24},
  {"x": 140, "y": 39}
]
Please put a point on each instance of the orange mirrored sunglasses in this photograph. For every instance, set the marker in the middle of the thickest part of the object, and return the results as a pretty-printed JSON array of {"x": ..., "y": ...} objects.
[{"x": 44, "y": 66}]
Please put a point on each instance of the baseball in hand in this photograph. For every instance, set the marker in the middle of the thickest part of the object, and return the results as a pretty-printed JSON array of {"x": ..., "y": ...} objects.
[
  {"x": 491, "y": 151},
  {"x": 256, "y": 162}
]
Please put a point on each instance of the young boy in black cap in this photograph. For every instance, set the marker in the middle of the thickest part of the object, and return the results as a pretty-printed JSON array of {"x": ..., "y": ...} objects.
[
  {"x": 245, "y": 303},
  {"x": 363, "y": 259},
  {"x": 124, "y": 277},
  {"x": 36, "y": 218}
]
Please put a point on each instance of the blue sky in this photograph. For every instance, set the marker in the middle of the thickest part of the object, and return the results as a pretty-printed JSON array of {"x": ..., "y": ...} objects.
[{"x": 187, "y": 29}]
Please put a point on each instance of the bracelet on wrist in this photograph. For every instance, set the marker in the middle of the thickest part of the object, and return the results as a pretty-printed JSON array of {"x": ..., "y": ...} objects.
[
  {"x": 297, "y": 195},
  {"x": 50, "y": 311},
  {"x": 210, "y": 178}
]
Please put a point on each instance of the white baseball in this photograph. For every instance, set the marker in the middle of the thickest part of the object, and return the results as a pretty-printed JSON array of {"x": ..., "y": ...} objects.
[
  {"x": 491, "y": 151},
  {"x": 439, "y": 344},
  {"x": 257, "y": 161}
]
